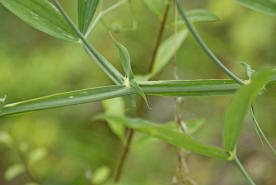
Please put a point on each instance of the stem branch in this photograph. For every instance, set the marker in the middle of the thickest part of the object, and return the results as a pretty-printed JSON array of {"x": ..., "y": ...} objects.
[
  {"x": 140, "y": 109},
  {"x": 205, "y": 47},
  {"x": 244, "y": 172}
]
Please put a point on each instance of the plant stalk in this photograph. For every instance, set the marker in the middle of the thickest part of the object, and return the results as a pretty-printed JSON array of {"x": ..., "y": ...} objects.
[
  {"x": 140, "y": 109},
  {"x": 204, "y": 46},
  {"x": 260, "y": 131},
  {"x": 110, "y": 71},
  {"x": 244, "y": 172}
]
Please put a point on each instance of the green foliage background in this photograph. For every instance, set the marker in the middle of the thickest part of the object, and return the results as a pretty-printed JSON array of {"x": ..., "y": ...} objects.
[{"x": 33, "y": 64}]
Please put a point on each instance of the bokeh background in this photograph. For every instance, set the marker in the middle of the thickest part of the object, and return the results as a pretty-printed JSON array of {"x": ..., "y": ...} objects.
[{"x": 33, "y": 64}]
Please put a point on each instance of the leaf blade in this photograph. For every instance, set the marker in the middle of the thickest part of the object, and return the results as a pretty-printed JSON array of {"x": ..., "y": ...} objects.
[
  {"x": 42, "y": 15},
  {"x": 157, "y": 88},
  {"x": 239, "y": 106},
  {"x": 170, "y": 136},
  {"x": 86, "y": 11},
  {"x": 167, "y": 50},
  {"x": 264, "y": 6}
]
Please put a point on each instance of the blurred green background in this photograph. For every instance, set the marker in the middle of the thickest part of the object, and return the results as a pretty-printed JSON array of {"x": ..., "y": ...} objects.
[{"x": 33, "y": 64}]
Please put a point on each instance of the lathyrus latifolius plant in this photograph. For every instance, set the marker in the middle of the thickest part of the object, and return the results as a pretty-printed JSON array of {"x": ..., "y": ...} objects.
[{"x": 51, "y": 18}]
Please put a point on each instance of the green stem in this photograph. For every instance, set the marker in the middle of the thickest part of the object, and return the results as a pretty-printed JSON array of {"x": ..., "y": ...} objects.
[
  {"x": 260, "y": 131},
  {"x": 140, "y": 109},
  {"x": 244, "y": 172},
  {"x": 112, "y": 72},
  {"x": 205, "y": 47}
]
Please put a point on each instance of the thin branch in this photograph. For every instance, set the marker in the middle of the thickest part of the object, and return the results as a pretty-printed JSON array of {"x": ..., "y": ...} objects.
[
  {"x": 102, "y": 13},
  {"x": 140, "y": 109},
  {"x": 260, "y": 131},
  {"x": 159, "y": 37},
  {"x": 244, "y": 172},
  {"x": 204, "y": 46},
  {"x": 110, "y": 71}
]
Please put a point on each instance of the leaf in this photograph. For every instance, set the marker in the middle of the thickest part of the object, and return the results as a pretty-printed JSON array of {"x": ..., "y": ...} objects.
[
  {"x": 101, "y": 175},
  {"x": 170, "y": 136},
  {"x": 196, "y": 15},
  {"x": 167, "y": 50},
  {"x": 248, "y": 69},
  {"x": 129, "y": 81},
  {"x": 239, "y": 106},
  {"x": 156, "y": 6},
  {"x": 13, "y": 171},
  {"x": 115, "y": 107},
  {"x": 37, "y": 155},
  {"x": 157, "y": 88},
  {"x": 264, "y": 6},
  {"x": 86, "y": 11},
  {"x": 125, "y": 59},
  {"x": 139, "y": 91},
  {"x": 42, "y": 15}
]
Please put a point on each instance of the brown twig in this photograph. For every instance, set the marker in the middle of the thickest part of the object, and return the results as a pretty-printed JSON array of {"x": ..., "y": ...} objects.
[{"x": 140, "y": 108}]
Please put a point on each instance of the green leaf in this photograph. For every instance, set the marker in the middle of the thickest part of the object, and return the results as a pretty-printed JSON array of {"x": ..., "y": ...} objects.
[
  {"x": 86, "y": 11},
  {"x": 37, "y": 155},
  {"x": 13, "y": 171},
  {"x": 239, "y": 106},
  {"x": 156, "y": 6},
  {"x": 265, "y": 6},
  {"x": 101, "y": 175},
  {"x": 115, "y": 107},
  {"x": 167, "y": 50},
  {"x": 42, "y": 15},
  {"x": 140, "y": 91},
  {"x": 248, "y": 69},
  {"x": 125, "y": 59},
  {"x": 157, "y": 88},
  {"x": 130, "y": 81},
  {"x": 196, "y": 15},
  {"x": 170, "y": 136}
]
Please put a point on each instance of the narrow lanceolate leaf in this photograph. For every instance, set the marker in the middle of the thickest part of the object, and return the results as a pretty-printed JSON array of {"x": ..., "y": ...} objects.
[
  {"x": 42, "y": 15},
  {"x": 86, "y": 11},
  {"x": 125, "y": 59},
  {"x": 106, "y": 66},
  {"x": 196, "y": 15},
  {"x": 126, "y": 63},
  {"x": 265, "y": 6},
  {"x": 158, "y": 88},
  {"x": 238, "y": 108},
  {"x": 167, "y": 50},
  {"x": 170, "y": 136}
]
